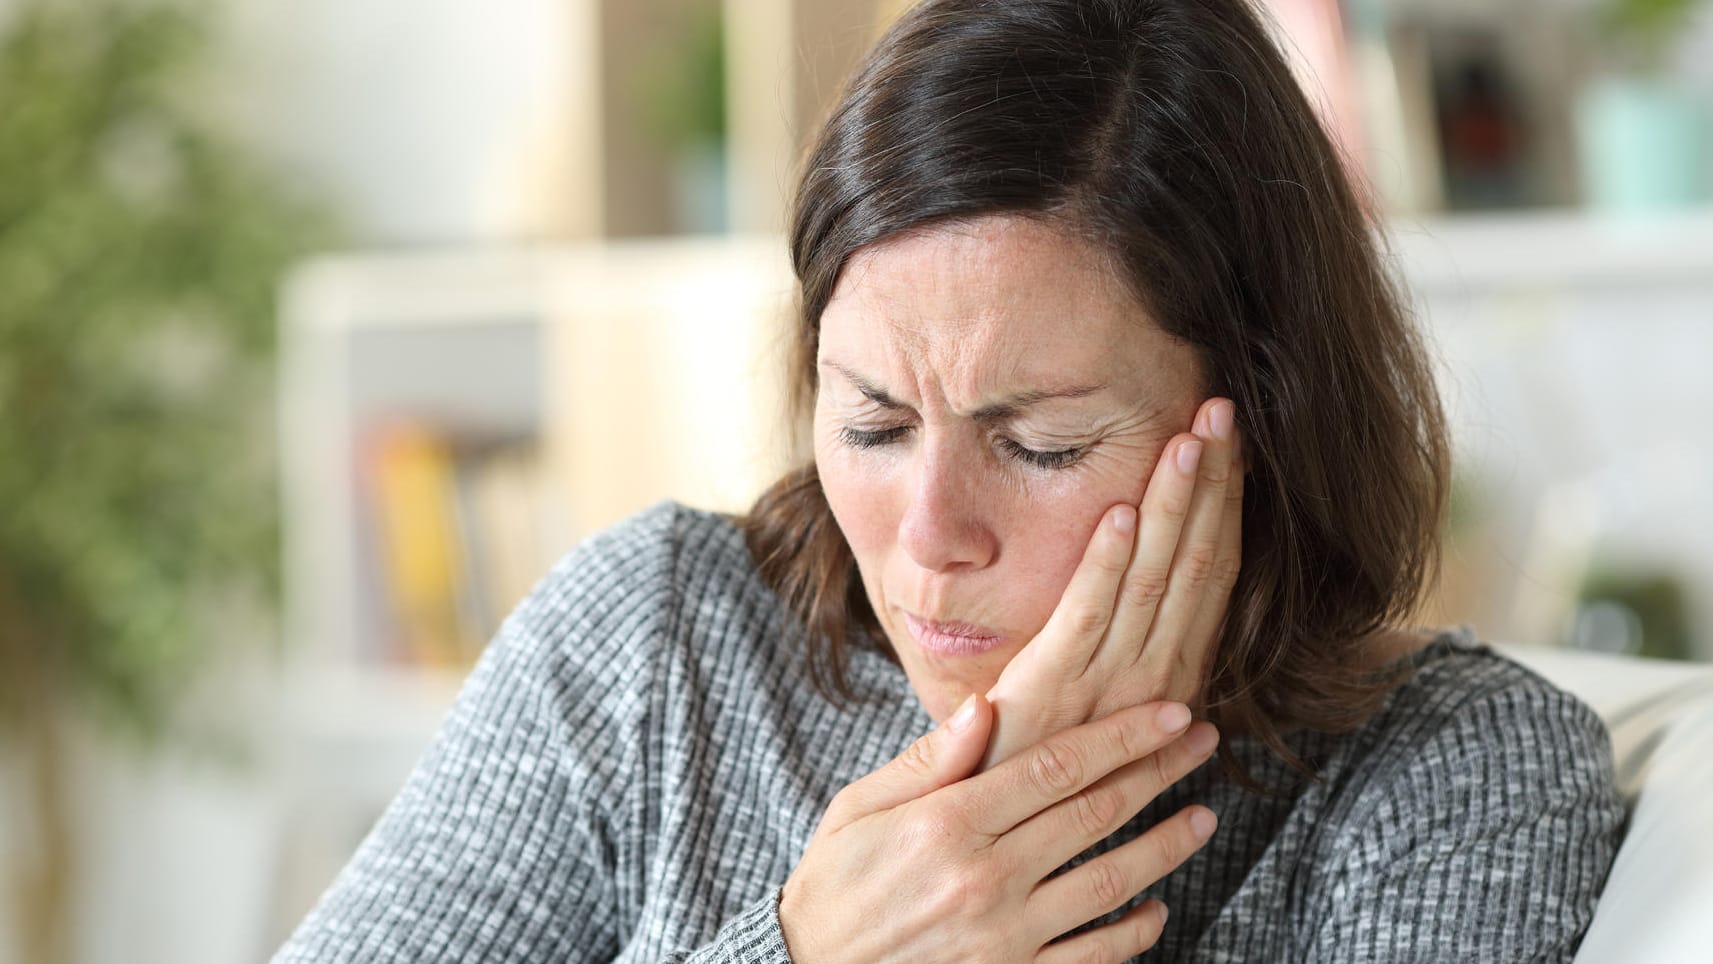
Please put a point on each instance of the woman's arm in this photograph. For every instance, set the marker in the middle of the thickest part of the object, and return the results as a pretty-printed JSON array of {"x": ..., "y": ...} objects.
[
  {"x": 516, "y": 836},
  {"x": 501, "y": 844},
  {"x": 1487, "y": 836}
]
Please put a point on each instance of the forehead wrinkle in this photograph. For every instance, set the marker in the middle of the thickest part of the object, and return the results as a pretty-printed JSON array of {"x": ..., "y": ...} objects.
[
  {"x": 958, "y": 317},
  {"x": 980, "y": 368}
]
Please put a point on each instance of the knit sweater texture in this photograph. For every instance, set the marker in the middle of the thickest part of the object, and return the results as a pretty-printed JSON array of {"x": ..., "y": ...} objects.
[{"x": 638, "y": 760}]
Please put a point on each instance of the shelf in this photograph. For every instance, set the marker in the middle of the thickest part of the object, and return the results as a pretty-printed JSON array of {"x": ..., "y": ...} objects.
[
  {"x": 636, "y": 371},
  {"x": 334, "y": 705},
  {"x": 1555, "y": 248}
]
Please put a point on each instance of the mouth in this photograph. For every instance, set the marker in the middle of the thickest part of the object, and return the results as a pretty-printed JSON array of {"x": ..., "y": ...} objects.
[{"x": 951, "y": 639}]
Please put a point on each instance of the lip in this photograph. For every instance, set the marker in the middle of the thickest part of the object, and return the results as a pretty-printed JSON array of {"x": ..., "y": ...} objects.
[{"x": 951, "y": 639}]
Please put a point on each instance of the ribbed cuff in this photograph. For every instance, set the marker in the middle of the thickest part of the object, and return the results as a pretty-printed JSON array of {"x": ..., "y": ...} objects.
[{"x": 754, "y": 936}]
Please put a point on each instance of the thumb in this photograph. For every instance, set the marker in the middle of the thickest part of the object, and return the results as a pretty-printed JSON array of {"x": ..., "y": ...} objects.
[{"x": 944, "y": 756}]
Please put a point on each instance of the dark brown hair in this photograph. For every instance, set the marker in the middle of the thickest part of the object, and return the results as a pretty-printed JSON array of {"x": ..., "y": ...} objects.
[{"x": 1172, "y": 134}]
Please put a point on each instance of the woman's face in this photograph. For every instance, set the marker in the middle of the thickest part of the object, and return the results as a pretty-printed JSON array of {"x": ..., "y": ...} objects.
[{"x": 987, "y": 390}]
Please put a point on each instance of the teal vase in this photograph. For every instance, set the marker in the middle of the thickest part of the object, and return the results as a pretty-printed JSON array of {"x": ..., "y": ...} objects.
[{"x": 1647, "y": 145}]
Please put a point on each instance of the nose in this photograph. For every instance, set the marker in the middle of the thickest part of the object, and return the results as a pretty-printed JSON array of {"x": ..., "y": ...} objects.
[{"x": 945, "y": 525}]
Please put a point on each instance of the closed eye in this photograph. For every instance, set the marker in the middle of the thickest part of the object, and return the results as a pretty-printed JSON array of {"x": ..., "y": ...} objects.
[
  {"x": 865, "y": 439},
  {"x": 1054, "y": 459}
]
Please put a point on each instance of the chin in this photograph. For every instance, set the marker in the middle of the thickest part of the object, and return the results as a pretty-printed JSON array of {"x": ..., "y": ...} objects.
[{"x": 941, "y": 682}]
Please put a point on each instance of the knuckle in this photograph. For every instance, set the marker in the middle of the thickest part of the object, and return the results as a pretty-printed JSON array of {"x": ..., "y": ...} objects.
[
  {"x": 1145, "y": 589},
  {"x": 1197, "y": 565},
  {"x": 1136, "y": 738},
  {"x": 936, "y": 825},
  {"x": 917, "y": 757},
  {"x": 968, "y": 891},
  {"x": 1226, "y": 571},
  {"x": 1107, "y": 885},
  {"x": 1056, "y": 768},
  {"x": 962, "y": 892},
  {"x": 1097, "y": 812},
  {"x": 1085, "y": 622}
]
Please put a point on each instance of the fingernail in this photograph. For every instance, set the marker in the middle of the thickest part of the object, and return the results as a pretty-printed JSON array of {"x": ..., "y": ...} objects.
[
  {"x": 965, "y": 715},
  {"x": 1174, "y": 717},
  {"x": 1203, "y": 823},
  {"x": 1219, "y": 420},
  {"x": 1124, "y": 519},
  {"x": 1164, "y": 913},
  {"x": 1189, "y": 456}
]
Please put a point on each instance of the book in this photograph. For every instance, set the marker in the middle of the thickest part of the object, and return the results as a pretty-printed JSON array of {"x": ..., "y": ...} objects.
[
  {"x": 461, "y": 528},
  {"x": 504, "y": 506},
  {"x": 413, "y": 500}
]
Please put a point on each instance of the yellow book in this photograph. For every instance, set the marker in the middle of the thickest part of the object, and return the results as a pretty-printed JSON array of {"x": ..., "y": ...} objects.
[{"x": 421, "y": 553}]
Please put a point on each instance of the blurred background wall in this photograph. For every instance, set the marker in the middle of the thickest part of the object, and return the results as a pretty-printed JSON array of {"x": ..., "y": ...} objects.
[{"x": 325, "y": 327}]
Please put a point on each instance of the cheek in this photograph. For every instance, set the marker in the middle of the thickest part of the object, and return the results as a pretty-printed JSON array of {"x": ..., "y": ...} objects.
[
  {"x": 1042, "y": 524},
  {"x": 1045, "y": 546},
  {"x": 1046, "y": 543},
  {"x": 862, "y": 500}
]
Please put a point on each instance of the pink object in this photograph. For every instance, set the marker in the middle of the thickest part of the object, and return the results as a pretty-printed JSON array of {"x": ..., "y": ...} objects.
[{"x": 1312, "y": 36}]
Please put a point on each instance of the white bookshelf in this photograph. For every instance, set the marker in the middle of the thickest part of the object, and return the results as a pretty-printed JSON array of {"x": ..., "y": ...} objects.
[
  {"x": 448, "y": 339},
  {"x": 639, "y": 370}
]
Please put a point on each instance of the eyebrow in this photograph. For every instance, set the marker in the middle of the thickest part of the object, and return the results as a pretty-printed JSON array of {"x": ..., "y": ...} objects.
[{"x": 996, "y": 412}]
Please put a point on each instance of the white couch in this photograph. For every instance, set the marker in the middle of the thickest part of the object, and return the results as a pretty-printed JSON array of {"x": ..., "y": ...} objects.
[{"x": 1658, "y": 903}]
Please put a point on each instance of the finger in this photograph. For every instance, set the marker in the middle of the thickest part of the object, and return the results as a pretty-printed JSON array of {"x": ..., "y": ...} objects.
[
  {"x": 1130, "y": 935},
  {"x": 1047, "y": 840},
  {"x": 1165, "y": 505},
  {"x": 1228, "y": 564},
  {"x": 1178, "y": 661},
  {"x": 1108, "y": 882},
  {"x": 940, "y": 758},
  {"x": 1080, "y": 620},
  {"x": 1066, "y": 763}
]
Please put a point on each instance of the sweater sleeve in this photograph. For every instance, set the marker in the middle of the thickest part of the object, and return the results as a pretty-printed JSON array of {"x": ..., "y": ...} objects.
[
  {"x": 754, "y": 936},
  {"x": 1489, "y": 839},
  {"x": 502, "y": 844},
  {"x": 514, "y": 837}
]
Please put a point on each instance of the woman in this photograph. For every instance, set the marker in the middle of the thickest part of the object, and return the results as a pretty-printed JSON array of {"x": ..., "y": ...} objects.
[{"x": 1116, "y": 419}]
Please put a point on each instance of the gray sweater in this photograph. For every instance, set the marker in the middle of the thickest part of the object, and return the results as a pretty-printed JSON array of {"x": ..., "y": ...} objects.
[{"x": 634, "y": 767}]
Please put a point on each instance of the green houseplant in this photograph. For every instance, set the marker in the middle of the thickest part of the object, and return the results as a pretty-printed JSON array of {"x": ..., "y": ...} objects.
[
  {"x": 139, "y": 253},
  {"x": 1639, "y": 33}
]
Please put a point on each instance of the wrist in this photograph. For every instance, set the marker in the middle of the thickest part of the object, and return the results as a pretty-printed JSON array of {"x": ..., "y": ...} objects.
[{"x": 788, "y": 910}]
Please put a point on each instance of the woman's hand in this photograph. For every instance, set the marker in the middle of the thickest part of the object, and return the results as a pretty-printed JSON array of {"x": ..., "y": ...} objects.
[
  {"x": 1142, "y": 614},
  {"x": 914, "y": 863}
]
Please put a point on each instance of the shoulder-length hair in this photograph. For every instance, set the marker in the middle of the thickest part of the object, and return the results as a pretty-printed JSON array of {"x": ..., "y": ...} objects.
[{"x": 1172, "y": 134}]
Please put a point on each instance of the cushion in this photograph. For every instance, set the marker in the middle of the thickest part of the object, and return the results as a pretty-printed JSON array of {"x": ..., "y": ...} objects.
[{"x": 1658, "y": 902}]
